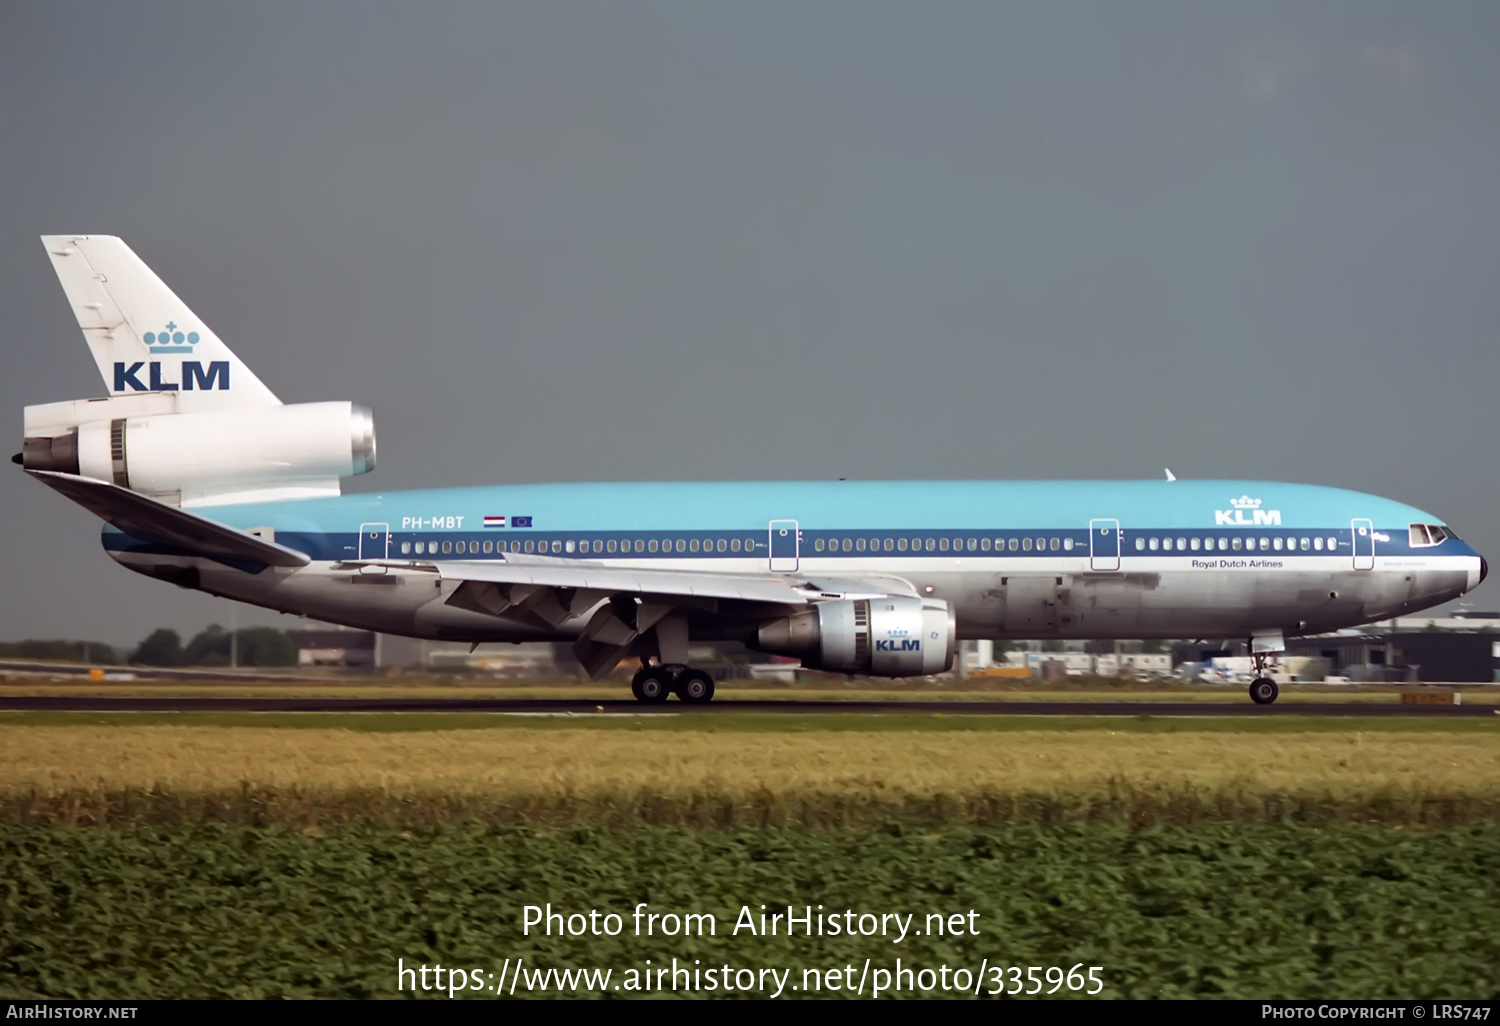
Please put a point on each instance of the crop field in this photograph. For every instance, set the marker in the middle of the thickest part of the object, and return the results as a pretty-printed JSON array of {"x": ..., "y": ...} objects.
[
  {"x": 564, "y": 774},
  {"x": 289, "y": 855},
  {"x": 1214, "y": 911}
]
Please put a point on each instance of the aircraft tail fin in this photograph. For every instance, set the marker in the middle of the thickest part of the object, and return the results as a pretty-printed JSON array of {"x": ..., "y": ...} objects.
[{"x": 145, "y": 339}]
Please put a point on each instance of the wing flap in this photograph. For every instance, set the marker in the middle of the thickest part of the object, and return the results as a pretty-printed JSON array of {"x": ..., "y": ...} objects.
[
  {"x": 613, "y": 580},
  {"x": 149, "y": 520}
]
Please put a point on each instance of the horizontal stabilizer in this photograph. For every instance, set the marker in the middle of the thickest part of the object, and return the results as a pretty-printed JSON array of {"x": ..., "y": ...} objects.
[{"x": 145, "y": 518}]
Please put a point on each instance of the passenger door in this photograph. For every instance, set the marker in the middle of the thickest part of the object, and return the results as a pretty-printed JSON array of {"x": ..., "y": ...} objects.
[
  {"x": 1364, "y": 544},
  {"x": 1104, "y": 545},
  {"x": 786, "y": 546}
]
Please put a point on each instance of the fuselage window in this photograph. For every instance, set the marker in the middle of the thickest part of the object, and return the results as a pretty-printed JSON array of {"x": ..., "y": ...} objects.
[
  {"x": 681, "y": 545},
  {"x": 1195, "y": 544},
  {"x": 693, "y": 545},
  {"x": 1054, "y": 544},
  {"x": 405, "y": 547},
  {"x": 1333, "y": 543},
  {"x": 1026, "y": 544},
  {"x": 930, "y": 544},
  {"x": 447, "y": 547},
  {"x": 984, "y": 544},
  {"x": 1041, "y": 543},
  {"x": 901, "y": 544},
  {"x": 916, "y": 544},
  {"x": 1223, "y": 544},
  {"x": 1154, "y": 544},
  {"x": 1238, "y": 543},
  {"x": 666, "y": 544},
  {"x": 421, "y": 548},
  {"x": 890, "y": 544},
  {"x": 1068, "y": 544},
  {"x": 1318, "y": 544},
  {"x": 859, "y": 543},
  {"x": 1249, "y": 543},
  {"x": 489, "y": 547},
  {"x": 1265, "y": 543},
  {"x": 1181, "y": 544},
  {"x": 734, "y": 543},
  {"x": 818, "y": 545},
  {"x": 557, "y": 545},
  {"x": 1011, "y": 545},
  {"x": 749, "y": 544},
  {"x": 651, "y": 545},
  {"x": 721, "y": 545},
  {"x": 1140, "y": 545},
  {"x": 973, "y": 544},
  {"x": 943, "y": 544},
  {"x": 571, "y": 545},
  {"x": 611, "y": 545},
  {"x": 1305, "y": 544},
  {"x": 1276, "y": 544}
]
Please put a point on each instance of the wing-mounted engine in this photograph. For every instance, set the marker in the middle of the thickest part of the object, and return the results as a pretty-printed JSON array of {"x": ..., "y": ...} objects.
[
  {"x": 247, "y": 454},
  {"x": 894, "y": 636}
]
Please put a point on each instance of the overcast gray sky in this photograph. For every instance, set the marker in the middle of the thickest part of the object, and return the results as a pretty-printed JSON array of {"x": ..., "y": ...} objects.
[{"x": 563, "y": 241}]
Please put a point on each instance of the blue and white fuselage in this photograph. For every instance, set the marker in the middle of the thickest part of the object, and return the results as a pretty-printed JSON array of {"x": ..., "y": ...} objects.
[
  {"x": 205, "y": 479},
  {"x": 1079, "y": 559}
]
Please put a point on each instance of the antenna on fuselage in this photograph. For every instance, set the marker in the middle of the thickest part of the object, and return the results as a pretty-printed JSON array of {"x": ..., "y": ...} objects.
[{"x": 1170, "y": 476}]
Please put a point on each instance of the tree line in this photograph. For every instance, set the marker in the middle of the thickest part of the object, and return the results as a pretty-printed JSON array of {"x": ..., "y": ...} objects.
[{"x": 214, "y": 646}]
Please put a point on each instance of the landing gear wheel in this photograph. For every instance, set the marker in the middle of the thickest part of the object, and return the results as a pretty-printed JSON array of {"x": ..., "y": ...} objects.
[
  {"x": 652, "y": 685},
  {"x": 695, "y": 687},
  {"x": 1263, "y": 691}
]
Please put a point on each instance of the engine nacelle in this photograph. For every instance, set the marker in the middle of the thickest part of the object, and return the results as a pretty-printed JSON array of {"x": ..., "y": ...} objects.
[
  {"x": 898, "y": 636},
  {"x": 238, "y": 455}
]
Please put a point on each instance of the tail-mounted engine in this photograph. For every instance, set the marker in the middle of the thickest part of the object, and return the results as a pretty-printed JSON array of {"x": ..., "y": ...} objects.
[
  {"x": 899, "y": 636},
  {"x": 213, "y": 457}
]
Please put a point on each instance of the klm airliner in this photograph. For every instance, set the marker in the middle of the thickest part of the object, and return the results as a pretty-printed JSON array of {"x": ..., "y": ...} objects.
[{"x": 205, "y": 479}]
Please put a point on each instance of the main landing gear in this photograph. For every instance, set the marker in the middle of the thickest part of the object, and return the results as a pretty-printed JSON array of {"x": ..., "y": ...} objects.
[
  {"x": 1263, "y": 689},
  {"x": 655, "y": 684}
]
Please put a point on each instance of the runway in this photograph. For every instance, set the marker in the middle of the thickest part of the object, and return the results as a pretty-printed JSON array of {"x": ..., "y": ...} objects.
[{"x": 559, "y": 707}]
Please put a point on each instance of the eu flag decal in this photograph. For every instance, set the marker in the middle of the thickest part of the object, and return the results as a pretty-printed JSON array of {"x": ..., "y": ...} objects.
[{"x": 520, "y": 521}]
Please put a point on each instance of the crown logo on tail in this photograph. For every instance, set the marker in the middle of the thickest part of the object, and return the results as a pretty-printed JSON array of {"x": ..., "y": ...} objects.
[{"x": 162, "y": 343}]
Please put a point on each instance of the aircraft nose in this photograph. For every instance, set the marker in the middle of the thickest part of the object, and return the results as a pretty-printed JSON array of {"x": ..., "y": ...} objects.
[{"x": 1484, "y": 569}]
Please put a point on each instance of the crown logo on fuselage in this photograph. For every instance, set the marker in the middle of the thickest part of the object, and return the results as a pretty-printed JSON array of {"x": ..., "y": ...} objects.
[
  {"x": 1245, "y": 502},
  {"x": 170, "y": 341}
]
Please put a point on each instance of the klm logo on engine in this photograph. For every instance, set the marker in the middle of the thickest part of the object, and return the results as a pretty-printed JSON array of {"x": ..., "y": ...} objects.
[
  {"x": 909, "y": 645},
  {"x": 1247, "y": 513}
]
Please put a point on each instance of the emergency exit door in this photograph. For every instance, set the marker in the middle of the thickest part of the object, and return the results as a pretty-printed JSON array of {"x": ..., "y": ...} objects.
[{"x": 786, "y": 546}]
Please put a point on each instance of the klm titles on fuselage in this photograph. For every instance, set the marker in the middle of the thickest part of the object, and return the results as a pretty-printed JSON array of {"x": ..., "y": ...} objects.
[{"x": 1247, "y": 513}]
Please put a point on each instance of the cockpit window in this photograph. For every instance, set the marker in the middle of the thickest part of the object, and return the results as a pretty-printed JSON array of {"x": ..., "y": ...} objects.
[{"x": 1424, "y": 536}]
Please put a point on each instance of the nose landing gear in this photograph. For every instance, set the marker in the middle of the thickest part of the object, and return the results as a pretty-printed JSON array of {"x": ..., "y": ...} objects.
[{"x": 1263, "y": 689}]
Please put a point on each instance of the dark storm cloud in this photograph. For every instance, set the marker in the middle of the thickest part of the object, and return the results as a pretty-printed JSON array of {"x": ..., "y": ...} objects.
[{"x": 561, "y": 241}]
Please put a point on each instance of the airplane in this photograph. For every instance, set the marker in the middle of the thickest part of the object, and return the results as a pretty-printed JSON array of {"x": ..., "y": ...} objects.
[{"x": 206, "y": 480}]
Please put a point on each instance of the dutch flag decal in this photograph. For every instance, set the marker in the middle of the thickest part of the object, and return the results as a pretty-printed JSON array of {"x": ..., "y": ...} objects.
[{"x": 494, "y": 521}]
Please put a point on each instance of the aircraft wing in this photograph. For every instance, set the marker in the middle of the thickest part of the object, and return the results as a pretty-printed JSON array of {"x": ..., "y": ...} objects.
[
  {"x": 143, "y": 517},
  {"x": 628, "y": 604}
]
